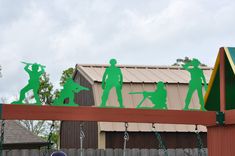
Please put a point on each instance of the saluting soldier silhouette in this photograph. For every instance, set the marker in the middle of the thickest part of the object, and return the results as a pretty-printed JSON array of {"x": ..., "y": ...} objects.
[
  {"x": 112, "y": 78},
  {"x": 195, "y": 84},
  {"x": 33, "y": 83}
]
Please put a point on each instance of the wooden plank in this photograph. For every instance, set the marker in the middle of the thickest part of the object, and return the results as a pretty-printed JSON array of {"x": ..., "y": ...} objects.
[
  {"x": 153, "y": 152},
  {"x": 90, "y": 152},
  {"x": 144, "y": 152},
  {"x": 230, "y": 117},
  {"x": 35, "y": 152},
  {"x": 109, "y": 152},
  {"x": 86, "y": 113}
]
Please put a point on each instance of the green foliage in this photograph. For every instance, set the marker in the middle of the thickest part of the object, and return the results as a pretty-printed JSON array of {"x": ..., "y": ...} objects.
[
  {"x": 54, "y": 132},
  {"x": 65, "y": 75},
  {"x": 185, "y": 60},
  {"x": 46, "y": 93}
]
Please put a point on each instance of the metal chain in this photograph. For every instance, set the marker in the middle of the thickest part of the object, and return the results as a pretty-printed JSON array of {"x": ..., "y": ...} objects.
[
  {"x": 82, "y": 136},
  {"x": 160, "y": 141},
  {"x": 200, "y": 145},
  {"x": 2, "y": 137},
  {"x": 126, "y": 138},
  {"x": 49, "y": 141}
]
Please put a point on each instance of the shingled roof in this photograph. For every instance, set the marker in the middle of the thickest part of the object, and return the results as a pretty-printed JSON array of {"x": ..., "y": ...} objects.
[
  {"x": 15, "y": 134},
  {"x": 143, "y": 78}
]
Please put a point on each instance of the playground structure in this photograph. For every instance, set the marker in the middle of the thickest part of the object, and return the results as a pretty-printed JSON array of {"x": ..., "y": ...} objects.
[{"x": 219, "y": 119}]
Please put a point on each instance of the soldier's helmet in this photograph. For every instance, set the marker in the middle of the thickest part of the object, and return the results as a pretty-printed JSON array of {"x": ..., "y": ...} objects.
[
  {"x": 113, "y": 62},
  {"x": 160, "y": 84}
]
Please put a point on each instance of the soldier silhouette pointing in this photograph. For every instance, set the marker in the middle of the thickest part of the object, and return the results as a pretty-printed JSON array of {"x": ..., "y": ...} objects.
[
  {"x": 33, "y": 83},
  {"x": 195, "y": 83},
  {"x": 112, "y": 78}
]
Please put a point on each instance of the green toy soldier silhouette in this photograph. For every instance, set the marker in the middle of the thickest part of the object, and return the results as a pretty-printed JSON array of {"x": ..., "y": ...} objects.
[
  {"x": 69, "y": 89},
  {"x": 195, "y": 83},
  {"x": 112, "y": 78},
  {"x": 33, "y": 83},
  {"x": 157, "y": 97}
]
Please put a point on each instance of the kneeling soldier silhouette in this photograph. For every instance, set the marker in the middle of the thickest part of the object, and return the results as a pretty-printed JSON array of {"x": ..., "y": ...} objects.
[
  {"x": 157, "y": 97},
  {"x": 69, "y": 89}
]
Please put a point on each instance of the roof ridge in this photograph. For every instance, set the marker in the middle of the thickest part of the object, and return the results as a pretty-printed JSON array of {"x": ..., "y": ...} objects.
[{"x": 139, "y": 66}]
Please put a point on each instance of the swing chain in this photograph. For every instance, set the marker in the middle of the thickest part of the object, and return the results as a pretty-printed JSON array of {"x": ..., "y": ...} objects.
[
  {"x": 2, "y": 136},
  {"x": 159, "y": 138},
  {"x": 82, "y": 136},
  {"x": 200, "y": 144},
  {"x": 126, "y": 138},
  {"x": 49, "y": 140}
]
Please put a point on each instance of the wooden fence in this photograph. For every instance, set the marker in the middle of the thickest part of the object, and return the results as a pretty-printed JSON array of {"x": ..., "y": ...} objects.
[{"x": 110, "y": 152}]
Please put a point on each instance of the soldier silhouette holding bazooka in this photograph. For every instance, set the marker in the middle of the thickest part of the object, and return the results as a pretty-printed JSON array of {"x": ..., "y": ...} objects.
[
  {"x": 112, "y": 78},
  {"x": 33, "y": 83},
  {"x": 157, "y": 97},
  {"x": 195, "y": 83},
  {"x": 69, "y": 89}
]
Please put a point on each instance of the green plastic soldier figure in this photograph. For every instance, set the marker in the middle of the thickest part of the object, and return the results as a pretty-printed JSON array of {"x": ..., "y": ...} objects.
[
  {"x": 112, "y": 78},
  {"x": 195, "y": 84},
  {"x": 157, "y": 97},
  {"x": 69, "y": 89},
  {"x": 33, "y": 83}
]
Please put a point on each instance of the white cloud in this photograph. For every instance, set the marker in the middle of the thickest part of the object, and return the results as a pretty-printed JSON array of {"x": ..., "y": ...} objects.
[{"x": 61, "y": 33}]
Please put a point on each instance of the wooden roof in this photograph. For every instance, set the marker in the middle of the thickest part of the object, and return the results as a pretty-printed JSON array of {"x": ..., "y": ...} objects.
[{"x": 14, "y": 133}]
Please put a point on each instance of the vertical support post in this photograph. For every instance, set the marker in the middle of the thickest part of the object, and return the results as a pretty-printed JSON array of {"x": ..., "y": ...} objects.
[{"x": 222, "y": 80}]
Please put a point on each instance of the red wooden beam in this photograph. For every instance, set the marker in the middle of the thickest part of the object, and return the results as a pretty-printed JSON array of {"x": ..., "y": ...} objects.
[
  {"x": 82, "y": 113},
  {"x": 230, "y": 117}
]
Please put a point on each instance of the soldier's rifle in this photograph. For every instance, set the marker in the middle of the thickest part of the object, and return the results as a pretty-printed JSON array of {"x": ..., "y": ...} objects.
[
  {"x": 32, "y": 64},
  {"x": 145, "y": 96},
  {"x": 79, "y": 88}
]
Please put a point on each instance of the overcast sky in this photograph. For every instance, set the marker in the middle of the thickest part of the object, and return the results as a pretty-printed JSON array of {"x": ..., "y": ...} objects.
[{"x": 61, "y": 33}]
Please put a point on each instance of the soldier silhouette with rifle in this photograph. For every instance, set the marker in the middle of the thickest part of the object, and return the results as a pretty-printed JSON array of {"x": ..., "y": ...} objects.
[
  {"x": 69, "y": 89},
  {"x": 33, "y": 83},
  {"x": 157, "y": 97}
]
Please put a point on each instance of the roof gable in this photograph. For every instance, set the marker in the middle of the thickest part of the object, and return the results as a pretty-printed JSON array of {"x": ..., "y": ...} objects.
[{"x": 212, "y": 97}]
